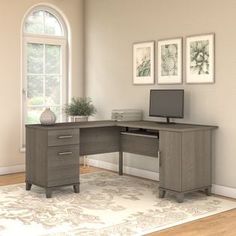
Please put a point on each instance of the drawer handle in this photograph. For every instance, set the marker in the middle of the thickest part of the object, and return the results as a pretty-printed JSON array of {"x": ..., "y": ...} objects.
[
  {"x": 159, "y": 156},
  {"x": 64, "y": 136},
  {"x": 64, "y": 153}
]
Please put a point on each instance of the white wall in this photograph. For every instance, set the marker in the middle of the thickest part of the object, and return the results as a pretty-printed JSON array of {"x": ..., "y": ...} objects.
[
  {"x": 12, "y": 13},
  {"x": 111, "y": 29}
]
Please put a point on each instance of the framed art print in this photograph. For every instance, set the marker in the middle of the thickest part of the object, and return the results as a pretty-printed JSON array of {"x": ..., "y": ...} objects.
[
  {"x": 143, "y": 63},
  {"x": 200, "y": 59},
  {"x": 170, "y": 61}
]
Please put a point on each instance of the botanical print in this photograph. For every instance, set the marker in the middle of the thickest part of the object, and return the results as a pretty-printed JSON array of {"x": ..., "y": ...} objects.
[
  {"x": 108, "y": 204},
  {"x": 200, "y": 59},
  {"x": 143, "y": 62},
  {"x": 169, "y": 58},
  {"x": 199, "y": 56},
  {"x": 170, "y": 61}
]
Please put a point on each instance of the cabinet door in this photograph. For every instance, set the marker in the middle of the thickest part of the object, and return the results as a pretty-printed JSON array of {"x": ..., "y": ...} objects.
[
  {"x": 170, "y": 160},
  {"x": 196, "y": 159}
]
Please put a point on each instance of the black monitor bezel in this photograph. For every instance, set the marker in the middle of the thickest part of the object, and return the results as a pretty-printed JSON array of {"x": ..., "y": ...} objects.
[{"x": 182, "y": 115}]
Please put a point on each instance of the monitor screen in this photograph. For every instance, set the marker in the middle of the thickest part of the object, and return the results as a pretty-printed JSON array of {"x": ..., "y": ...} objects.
[{"x": 167, "y": 103}]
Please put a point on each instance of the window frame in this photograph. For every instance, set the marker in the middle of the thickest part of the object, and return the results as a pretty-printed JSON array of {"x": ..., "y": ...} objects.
[{"x": 42, "y": 39}]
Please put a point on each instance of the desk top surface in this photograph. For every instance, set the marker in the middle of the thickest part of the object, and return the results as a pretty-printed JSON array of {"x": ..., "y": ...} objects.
[
  {"x": 75, "y": 125},
  {"x": 177, "y": 127}
]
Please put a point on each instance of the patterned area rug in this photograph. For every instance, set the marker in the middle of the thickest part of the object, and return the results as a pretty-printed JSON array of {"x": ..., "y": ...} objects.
[{"x": 107, "y": 205}]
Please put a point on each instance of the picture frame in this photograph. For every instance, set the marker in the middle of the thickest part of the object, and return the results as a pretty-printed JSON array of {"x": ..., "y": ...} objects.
[
  {"x": 200, "y": 58},
  {"x": 143, "y": 63},
  {"x": 170, "y": 59}
]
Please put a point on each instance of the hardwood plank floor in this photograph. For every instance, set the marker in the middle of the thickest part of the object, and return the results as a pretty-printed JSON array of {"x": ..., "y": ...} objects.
[
  {"x": 20, "y": 177},
  {"x": 222, "y": 224},
  {"x": 12, "y": 179}
]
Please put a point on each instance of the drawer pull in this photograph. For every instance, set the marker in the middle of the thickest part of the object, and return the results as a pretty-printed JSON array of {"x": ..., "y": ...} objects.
[
  {"x": 64, "y": 153},
  {"x": 64, "y": 136},
  {"x": 159, "y": 156}
]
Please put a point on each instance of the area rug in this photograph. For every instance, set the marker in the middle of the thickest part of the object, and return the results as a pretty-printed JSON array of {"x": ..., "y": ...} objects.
[{"x": 108, "y": 204}]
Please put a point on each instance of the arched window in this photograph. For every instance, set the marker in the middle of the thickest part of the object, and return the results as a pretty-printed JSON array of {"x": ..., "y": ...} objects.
[{"x": 44, "y": 64}]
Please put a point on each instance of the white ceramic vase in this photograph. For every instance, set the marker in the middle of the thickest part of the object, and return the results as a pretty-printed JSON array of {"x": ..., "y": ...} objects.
[
  {"x": 78, "y": 118},
  {"x": 48, "y": 117}
]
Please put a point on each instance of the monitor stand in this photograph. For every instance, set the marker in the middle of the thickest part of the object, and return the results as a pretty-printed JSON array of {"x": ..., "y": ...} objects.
[{"x": 166, "y": 122}]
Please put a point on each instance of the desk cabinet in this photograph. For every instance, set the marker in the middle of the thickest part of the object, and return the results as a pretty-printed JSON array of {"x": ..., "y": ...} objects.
[
  {"x": 52, "y": 158},
  {"x": 185, "y": 162}
]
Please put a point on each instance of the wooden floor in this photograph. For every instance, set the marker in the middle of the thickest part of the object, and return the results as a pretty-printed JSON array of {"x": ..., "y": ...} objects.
[
  {"x": 20, "y": 177},
  {"x": 222, "y": 224}
]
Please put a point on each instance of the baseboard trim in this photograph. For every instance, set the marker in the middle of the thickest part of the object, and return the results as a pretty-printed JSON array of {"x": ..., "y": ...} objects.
[
  {"x": 127, "y": 170},
  {"x": 224, "y": 191},
  {"x": 12, "y": 169}
]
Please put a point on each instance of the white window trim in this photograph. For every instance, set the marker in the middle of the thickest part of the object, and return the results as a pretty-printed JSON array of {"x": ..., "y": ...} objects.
[{"x": 45, "y": 39}]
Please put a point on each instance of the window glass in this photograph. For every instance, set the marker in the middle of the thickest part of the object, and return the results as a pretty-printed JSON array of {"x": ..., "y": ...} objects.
[
  {"x": 35, "y": 58},
  {"x": 44, "y": 80},
  {"x": 35, "y": 23},
  {"x": 43, "y": 22},
  {"x": 52, "y": 26},
  {"x": 52, "y": 56},
  {"x": 35, "y": 93},
  {"x": 53, "y": 93}
]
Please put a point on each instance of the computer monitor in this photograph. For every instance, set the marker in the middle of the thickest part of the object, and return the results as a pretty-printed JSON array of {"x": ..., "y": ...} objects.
[{"x": 167, "y": 103}]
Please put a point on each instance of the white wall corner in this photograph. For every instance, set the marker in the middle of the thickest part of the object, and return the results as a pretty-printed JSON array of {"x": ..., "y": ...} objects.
[{"x": 12, "y": 169}]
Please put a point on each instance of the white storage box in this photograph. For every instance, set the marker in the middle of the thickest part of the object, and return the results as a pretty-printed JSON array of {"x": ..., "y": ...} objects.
[{"x": 126, "y": 115}]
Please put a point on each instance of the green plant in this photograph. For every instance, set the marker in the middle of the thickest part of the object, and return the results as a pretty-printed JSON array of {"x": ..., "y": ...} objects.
[
  {"x": 80, "y": 107},
  {"x": 36, "y": 101}
]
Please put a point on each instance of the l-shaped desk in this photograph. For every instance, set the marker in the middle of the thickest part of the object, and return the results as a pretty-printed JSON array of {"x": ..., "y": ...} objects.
[{"x": 184, "y": 152}]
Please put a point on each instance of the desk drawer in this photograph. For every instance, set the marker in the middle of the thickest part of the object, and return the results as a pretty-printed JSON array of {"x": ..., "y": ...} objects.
[
  {"x": 63, "y": 156},
  {"x": 63, "y": 165},
  {"x": 63, "y": 175},
  {"x": 147, "y": 146},
  {"x": 63, "y": 137}
]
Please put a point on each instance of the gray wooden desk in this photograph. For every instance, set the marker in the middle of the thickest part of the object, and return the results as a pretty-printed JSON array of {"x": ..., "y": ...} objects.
[{"x": 184, "y": 152}]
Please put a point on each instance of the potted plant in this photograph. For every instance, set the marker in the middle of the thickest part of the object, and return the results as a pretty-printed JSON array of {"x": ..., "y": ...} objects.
[{"x": 80, "y": 109}]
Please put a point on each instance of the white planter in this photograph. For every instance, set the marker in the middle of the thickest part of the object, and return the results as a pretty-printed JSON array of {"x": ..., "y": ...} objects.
[{"x": 78, "y": 118}]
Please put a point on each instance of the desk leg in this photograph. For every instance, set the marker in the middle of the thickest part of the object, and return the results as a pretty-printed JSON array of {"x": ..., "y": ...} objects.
[
  {"x": 28, "y": 186},
  {"x": 76, "y": 188},
  {"x": 208, "y": 191},
  {"x": 180, "y": 197},
  {"x": 120, "y": 163},
  {"x": 48, "y": 192}
]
